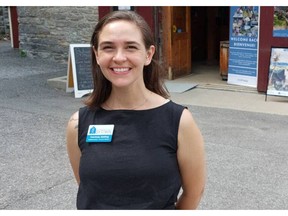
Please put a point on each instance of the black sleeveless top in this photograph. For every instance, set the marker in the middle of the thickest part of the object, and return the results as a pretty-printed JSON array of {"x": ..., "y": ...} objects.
[{"x": 138, "y": 169}]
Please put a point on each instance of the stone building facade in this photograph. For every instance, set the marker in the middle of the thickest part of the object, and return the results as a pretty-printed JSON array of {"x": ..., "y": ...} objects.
[
  {"x": 46, "y": 32},
  {"x": 4, "y": 21}
]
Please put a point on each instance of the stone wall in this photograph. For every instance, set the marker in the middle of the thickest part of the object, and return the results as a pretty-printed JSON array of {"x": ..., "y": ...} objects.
[
  {"x": 46, "y": 32},
  {"x": 4, "y": 21}
]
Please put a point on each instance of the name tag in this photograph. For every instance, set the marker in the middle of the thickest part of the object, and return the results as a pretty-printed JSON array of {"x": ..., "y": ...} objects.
[{"x": 100, "y": 133}]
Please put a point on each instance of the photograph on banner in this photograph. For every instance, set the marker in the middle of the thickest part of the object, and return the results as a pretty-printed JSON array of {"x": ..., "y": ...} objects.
[
  {"x": 278, "y": 72},
  {"x": 280, "y": 22},
  {"x": 243, "y": 45}
]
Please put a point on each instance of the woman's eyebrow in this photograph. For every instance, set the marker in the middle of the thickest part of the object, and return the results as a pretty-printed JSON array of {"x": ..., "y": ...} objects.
[
  {"x": 133, "y": 43},
  {"x": 126, "y": 42},
  {"x": 105, "y": 43}
]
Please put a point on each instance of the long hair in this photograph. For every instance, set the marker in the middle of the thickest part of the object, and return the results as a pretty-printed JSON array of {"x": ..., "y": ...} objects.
[{"x": 153, "y": 73}]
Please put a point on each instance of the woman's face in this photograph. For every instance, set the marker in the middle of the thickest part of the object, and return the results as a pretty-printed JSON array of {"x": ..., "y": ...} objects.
[{"x": 121, "y": 54}]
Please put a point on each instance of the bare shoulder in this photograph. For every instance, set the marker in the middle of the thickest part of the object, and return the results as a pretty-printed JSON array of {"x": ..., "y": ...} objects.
[
  {"x": 74, "y": 120},
  {"x": 189, "y": 132},
  {"x": 72, "y": 127},
  {"x": 72, "y": 131},
  {"x": 187, "y": 119}
]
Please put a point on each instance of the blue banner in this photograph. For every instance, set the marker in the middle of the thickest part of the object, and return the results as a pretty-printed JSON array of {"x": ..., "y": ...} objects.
[{"x": 243, "y": 45}]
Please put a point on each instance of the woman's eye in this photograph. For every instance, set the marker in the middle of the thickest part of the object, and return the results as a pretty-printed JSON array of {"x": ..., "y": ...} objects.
[
  {"x": 132, "y": 47},
  {"x": 107, "y": 48}
]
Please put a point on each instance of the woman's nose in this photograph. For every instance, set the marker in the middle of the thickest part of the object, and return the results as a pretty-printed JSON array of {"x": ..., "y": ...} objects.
[{"x": 119, "y": 56}]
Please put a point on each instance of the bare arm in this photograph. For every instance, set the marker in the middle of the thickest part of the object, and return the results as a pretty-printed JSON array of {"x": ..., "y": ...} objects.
[
  {"x": 73, "y": 150},
  {"x": 191, "y": 160}
]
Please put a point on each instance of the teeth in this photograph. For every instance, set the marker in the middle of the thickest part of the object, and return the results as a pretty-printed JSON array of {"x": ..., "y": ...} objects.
[{"x": 120, "y": 69}]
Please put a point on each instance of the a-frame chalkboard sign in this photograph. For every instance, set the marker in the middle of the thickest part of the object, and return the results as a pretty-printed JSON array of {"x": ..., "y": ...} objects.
[{"x": 79, "y": 73}]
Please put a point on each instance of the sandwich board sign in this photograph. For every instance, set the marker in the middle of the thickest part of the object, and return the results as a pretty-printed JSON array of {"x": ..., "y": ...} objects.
[
  {"x": 79, "y": 72},
  {"x": 278, "y": 72}
]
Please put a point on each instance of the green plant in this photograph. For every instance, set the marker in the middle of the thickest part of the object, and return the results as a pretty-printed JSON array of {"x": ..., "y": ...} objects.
[{"x": 22, "y": 53}]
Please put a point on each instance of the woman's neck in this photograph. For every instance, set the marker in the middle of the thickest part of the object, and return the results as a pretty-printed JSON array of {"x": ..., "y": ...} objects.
[{"x": 128, "y": 99}]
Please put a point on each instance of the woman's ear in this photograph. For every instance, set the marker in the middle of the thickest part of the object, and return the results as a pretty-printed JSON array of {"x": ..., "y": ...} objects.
[{"x": 150, "y": 54}]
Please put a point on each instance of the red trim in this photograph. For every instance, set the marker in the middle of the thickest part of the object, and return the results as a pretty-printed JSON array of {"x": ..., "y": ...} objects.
[
  {"x": 14, "y": 26},
  {"x": 103, "y": 10},
  {"x": 146, "y": 12},
  {"x": 266, "y": 41}
]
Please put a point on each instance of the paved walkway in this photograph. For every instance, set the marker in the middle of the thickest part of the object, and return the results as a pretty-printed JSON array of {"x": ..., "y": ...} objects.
[{"x": 212, "y": 91}]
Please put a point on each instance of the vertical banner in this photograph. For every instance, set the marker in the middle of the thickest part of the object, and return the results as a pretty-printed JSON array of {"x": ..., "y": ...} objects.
[
  {"x": 243, "y": 45},
  {"x": 280, "y": 22}
]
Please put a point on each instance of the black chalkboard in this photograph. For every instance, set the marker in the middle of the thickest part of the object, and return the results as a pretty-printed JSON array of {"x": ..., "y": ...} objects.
[
  {"x": 83, "y": 68},
  {"x": 80, "y": 59}
]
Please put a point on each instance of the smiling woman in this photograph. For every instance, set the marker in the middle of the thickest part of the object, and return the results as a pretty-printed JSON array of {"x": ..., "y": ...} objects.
[
  {"x": 153, "y": 147},
  {"x": 121, "y": 55},
  {"x": 126, "y": 39}
]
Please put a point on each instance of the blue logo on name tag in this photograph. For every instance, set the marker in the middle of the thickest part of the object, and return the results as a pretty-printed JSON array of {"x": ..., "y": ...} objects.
[{"x": 100, "y": 133}]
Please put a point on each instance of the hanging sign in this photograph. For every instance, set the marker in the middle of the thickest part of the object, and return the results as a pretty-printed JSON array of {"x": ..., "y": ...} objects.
[
  {"x": 243, "y": 46},
  {"x": 280, "y": 21},
  {"x": 79, "y": 73}
]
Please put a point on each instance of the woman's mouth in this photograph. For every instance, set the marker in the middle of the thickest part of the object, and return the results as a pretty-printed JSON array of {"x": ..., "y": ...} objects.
[{"x": 121, "y": 70}]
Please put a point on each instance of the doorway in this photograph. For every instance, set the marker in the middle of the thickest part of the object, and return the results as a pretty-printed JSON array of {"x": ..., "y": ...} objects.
[
  {"x": 209, "y": 26},
  {"x": 205, "y": 28}
]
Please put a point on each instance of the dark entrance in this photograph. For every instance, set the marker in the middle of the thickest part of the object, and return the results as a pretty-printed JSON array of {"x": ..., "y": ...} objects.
[{"x": 209, "y": 26}]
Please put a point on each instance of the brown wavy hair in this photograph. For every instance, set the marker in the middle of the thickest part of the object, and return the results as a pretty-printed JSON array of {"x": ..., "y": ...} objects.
[{"x": 153, "y": 73}]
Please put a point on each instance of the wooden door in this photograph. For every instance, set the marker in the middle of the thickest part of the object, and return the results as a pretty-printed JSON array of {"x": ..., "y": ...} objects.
[{"x": 177, "y": 40}]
